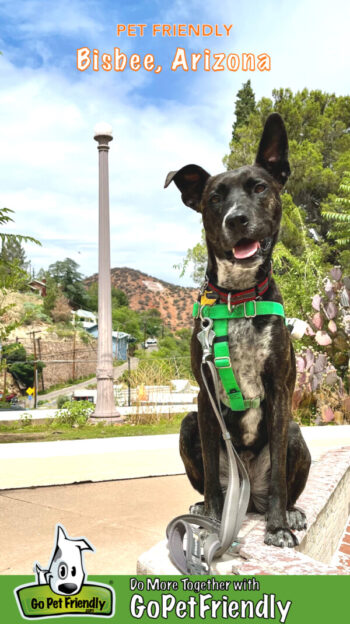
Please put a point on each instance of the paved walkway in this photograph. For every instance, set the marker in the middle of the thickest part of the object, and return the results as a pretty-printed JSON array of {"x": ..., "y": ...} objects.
[{"x": 122, "y": 518}]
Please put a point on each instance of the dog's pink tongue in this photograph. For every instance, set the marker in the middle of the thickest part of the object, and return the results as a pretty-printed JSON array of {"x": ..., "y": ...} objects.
[{"x": 246, "y": 250}]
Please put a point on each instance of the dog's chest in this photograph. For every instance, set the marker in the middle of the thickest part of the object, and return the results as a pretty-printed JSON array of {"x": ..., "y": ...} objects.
[{"x": 249, "y": 349}]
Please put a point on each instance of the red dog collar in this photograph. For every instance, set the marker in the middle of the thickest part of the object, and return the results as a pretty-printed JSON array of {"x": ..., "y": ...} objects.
[{"x": 242, "y": 296}]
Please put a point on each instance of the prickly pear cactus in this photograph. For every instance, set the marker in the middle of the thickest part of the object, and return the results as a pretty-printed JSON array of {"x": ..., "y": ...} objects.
[
  {"x": 323, "y": 372},
  {"x": 330, "y": 324}
]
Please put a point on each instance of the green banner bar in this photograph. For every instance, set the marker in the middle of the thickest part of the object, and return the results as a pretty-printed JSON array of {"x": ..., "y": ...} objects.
[{"x": 291, "y": 599}]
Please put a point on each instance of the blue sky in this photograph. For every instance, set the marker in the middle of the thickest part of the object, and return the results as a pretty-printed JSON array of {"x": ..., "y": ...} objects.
[{"x": 48, "y": 159}]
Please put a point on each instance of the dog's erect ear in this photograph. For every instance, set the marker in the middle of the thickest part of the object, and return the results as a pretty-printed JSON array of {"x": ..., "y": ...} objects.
[
  {"x": 273, "y": 149},
  {"x": 190, "y": 180}
]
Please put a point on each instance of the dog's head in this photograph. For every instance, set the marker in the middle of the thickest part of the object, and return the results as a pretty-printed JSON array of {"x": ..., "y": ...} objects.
[
  {"x": 241, "y": 209},
  {"x": 66, "y": 572}
]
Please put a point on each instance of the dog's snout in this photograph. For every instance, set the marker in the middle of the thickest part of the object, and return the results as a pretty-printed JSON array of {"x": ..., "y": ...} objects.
[
  {"x": 68, "y": 588},
  {"x": 236, "y": 219}
]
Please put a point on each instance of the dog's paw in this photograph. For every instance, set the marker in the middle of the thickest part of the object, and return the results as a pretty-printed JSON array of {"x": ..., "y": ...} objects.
[
  {"x": 197, "y": 509},
  {"x": 296, "y": 519},
  {"x": 283, "y": 538}
]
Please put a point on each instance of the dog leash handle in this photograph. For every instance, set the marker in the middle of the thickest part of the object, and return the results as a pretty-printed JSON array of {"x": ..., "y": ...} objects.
[{"x": 188, "y": 559}]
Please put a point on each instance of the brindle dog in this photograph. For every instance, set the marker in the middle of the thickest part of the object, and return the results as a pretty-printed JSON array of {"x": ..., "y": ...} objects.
[{"x": 241, "y": 212}]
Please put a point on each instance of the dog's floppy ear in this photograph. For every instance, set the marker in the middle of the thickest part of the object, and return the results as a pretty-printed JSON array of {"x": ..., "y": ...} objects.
[
  {"x": 273, "y": 149},
  {"x": 190, "y": 180}
]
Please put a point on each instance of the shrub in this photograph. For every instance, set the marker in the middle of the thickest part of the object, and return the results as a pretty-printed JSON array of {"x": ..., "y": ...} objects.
[
  {"x": 73, "y": 413},
  {"x": 26, "y": 420},
  {"x": 61, "y": 400},
  {"x": 61, "y": 311},
  {"x": 19, "y": 364},
  {"x": 34, "y": 312},
  {"x": 150, "y": 372}
]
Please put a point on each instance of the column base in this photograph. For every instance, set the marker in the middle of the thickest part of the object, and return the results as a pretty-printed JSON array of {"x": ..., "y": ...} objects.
[{"x": 110, "y": 419}]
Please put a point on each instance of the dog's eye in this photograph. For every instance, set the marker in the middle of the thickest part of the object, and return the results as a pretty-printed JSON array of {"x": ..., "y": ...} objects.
[
  {"x": 62, "y": 570},
  {"x": 74, "y": 571},
  {"x": 259, "y": 188},
  {"x": 214, "y": 199}
]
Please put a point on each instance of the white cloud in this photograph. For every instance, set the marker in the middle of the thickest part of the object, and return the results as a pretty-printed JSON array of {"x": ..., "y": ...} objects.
[
  {"x": 48, "y": 159},
  {"x": 48, "y": 171}
]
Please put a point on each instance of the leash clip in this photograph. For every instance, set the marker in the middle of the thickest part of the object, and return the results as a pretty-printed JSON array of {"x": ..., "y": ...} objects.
[{"x": 206, "y": 337}]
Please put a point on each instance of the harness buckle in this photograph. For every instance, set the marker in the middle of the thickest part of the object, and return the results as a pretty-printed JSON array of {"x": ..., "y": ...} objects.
[
  {"x": 225, "y": 358},
  {"x": 229, "y": 306},
  {"x": 253, "y": 301}
]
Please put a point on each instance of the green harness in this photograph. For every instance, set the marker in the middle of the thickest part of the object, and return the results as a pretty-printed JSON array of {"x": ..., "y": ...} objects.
[{"x": 220, "y": 315}]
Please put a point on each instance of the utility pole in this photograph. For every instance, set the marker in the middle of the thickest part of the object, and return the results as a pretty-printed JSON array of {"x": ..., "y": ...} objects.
[
  {"x": 129, "y": 386},
  {"x": 42, "y": 372},
  {"x": 73, "y": 365},
  {"x": 32, "y": 333},
  {"x": 105, "y": 403}
]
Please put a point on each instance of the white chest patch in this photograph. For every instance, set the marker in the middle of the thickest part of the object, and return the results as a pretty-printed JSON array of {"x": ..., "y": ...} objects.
[
  {"x": 248, "y": 352},
  {"x": 232, "y": 276}
]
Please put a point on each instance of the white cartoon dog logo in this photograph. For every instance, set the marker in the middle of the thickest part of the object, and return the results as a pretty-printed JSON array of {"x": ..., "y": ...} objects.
[{"x": 65, "y": 573}]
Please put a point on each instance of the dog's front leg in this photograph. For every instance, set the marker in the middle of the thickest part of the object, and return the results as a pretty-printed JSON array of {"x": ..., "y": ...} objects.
[
  {"x": 278, "y": 532},
  {"x": 209, "y": 431}
]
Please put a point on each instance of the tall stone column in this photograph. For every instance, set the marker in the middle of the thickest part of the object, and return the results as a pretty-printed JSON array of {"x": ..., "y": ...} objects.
[{"x": 105, "y": 403}]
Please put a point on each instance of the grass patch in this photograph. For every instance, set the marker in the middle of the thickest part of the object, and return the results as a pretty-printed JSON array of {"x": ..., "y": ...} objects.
[{"x": 29, "y": 432}]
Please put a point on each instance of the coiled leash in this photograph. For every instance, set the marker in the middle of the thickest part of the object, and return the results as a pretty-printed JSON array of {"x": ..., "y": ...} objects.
[{"x": 206, "y": 538}]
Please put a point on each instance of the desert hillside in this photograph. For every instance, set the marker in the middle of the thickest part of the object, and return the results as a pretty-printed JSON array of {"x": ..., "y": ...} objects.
[{"x": 144, "y": 292}]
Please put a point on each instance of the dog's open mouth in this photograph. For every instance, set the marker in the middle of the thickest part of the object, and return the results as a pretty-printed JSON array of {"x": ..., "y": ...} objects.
[{"x": 247, "y": 248}]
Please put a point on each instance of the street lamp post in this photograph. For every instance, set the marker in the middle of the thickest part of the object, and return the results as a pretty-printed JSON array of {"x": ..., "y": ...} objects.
[{"x": 105, "y": 404}]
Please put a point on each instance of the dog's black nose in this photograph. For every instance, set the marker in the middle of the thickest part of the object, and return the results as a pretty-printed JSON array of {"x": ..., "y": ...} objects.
[
  {"x": 236, "y": 219},
  {"x": 67, "y": 588}
]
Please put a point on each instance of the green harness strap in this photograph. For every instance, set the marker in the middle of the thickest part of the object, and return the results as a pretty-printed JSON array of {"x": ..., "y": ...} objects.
[{"x": 221, "y": 316}]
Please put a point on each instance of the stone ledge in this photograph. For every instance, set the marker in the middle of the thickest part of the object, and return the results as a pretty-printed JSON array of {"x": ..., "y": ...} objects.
[{"x": 326, "y": 502}]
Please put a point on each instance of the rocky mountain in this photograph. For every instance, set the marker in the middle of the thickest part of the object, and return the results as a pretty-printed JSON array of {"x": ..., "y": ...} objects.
[{"x": 144, "y": 291}]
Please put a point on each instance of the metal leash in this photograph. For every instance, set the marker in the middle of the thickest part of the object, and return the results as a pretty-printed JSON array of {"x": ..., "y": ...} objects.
[{"x": 201, "y": 548}]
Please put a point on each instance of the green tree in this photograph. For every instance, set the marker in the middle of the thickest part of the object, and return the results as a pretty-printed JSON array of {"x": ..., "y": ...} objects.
[
  {"x": 12, "y": 250},
  {"x": 298, "y": 260},
  {"x": 336, "y": 211},
  {"x": 174, "y": 353},
  {"x": 196, "y": 259},
  {"x": 319, "y": 143},
  {"x": 151, "y": 322},
  {"x": 12, "y": 274},
  {"x": 92, "y": 297},
  {"x": 13, "y": 264},
  {"x": 5, "y": 218},
  {"x": 119, "y": 298},
  {"x": 127, "y": 320},
  {"x": 66, "y": 275},
  {"x": 52, "y": 293},
  {"x": 20, "y": 364},
  {"x": 244, "y": 106}
]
